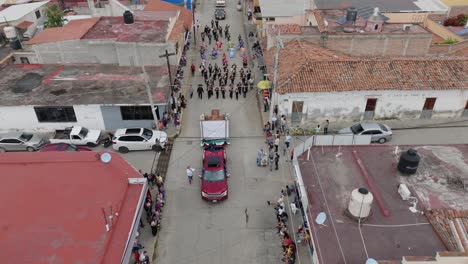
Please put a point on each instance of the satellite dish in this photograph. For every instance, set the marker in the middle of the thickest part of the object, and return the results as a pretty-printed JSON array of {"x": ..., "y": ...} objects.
[
  {"x": 106, "y": 157},
  {"x": 320, "y": 219},
  {"x": 371, "y": 261}
]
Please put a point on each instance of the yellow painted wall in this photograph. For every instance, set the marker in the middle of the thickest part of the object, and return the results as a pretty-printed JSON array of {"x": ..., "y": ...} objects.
[
  {"x": 455, "y": 2},
  {"x": 406, "y": 17}
]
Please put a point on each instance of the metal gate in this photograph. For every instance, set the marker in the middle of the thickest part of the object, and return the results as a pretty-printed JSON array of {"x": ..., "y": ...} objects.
[
  {"x": 296, "y": 116},
  {"x": 368, "y": 115},
  {"x": 427, "y": 108}
]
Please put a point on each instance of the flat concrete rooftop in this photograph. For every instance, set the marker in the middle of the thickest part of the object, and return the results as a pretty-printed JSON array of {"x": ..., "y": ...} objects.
[
  {"x": 51, "y": 84},
  {"x": 332, "y": 173},
  {"x": 149, "y": 31},
  {"x": 388, "y": 28}
]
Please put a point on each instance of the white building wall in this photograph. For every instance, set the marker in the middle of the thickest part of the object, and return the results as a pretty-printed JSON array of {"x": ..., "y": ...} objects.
[
  {"x": 24, "y": 118},
  {"x": 391, "y": 104},
  {"x": 104, "y": 52}
]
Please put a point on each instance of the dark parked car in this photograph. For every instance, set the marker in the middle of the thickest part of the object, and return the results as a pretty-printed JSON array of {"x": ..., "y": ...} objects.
[{"x": 220, "y": 14}]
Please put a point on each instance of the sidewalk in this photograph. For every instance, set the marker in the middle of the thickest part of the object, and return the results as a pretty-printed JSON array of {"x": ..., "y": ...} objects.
[{"x": 285, "y": 173}]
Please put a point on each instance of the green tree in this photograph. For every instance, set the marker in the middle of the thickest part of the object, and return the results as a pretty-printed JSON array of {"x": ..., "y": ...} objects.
[{"x": 54, "y": 16}]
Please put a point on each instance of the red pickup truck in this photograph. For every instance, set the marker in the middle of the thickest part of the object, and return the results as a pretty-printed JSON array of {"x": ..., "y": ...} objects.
[{"x": 214, "y": 182}]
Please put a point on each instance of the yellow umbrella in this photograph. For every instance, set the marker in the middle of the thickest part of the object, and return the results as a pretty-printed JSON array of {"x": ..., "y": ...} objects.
[{"x": 262, "y": 85}]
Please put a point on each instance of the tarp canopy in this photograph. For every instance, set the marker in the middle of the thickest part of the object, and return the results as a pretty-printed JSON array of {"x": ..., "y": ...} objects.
[{"x": 214, "y": 129}]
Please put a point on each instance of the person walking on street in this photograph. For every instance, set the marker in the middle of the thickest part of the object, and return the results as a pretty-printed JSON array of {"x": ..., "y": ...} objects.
[
  {"x": 287, "y": 140},
  {"x": 217, "y": 92},
  {"x": 325, "y": 128},
  {"x": 216, "y": 23},
  {"x": 277, "y": 157},
  {"x": 231, "y": 91},
  {"x": 271, "y": 158},
  {"x": 277, "y": 141},
  {"x": 190, "y": 171},
  {"x": 200, "y": 91},
  {"x": 237, "y": 93},
  {"x": 212, "y": 23},
  {"x": 223, "y": 92}
]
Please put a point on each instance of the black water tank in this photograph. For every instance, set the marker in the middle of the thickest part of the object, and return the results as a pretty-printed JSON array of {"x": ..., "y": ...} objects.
[
  {"x": 351, "y": 14},
  {"x": 128, "y": 17},
  {"x": 409, "y": 162},
  {"x": 15, "y": 44}
]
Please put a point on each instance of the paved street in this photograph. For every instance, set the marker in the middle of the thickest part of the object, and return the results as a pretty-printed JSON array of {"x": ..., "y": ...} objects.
[{"x": 196, "y": 231}]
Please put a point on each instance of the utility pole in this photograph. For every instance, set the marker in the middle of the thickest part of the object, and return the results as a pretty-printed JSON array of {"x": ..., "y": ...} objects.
[
  {"x": 167, "y": 54},
  {"x": 150, "y": 96},
  {"x": 194, "y": 6},
  {"x": 274, "y": 99}
]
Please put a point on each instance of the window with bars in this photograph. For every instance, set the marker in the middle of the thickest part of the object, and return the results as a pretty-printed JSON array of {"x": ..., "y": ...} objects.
[
  {"x": 55, "y": 114},
  {"x": 136, "y": 112}
]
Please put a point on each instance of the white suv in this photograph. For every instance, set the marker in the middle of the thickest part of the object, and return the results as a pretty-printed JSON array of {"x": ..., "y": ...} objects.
[{"x": 126, "y": 139}]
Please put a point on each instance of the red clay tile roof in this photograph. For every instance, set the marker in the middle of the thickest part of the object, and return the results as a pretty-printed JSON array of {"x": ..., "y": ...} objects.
[
  {"x": 306, "y": 67},
  {"x": 158, "y": 5},
  {"x": 351, "y": 75},
  {"x": 76, "y": 29},
  {"x": 24, "y": 25},
  {"x": 295, "y": 55}
]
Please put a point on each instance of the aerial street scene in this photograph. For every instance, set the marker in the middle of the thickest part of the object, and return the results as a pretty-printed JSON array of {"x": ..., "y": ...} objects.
[{"x": 234, "y": 131}]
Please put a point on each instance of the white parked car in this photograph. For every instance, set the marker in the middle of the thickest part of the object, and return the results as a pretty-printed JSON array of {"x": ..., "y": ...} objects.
[
  {"x": 379, "y": 132},
  {"x": 19, "y": 141},
  {"x": 126, "y": 139}
]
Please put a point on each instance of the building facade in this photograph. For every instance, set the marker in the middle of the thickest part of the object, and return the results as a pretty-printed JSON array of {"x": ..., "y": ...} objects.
[
  {"x": 315, "y": 84},
  {"x": 307, "y": 109},
  {"x": 102, "y": 117},
  {"x": 49, "y": 97}
]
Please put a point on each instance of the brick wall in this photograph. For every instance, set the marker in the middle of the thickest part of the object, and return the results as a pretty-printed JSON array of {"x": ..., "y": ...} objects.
[{"x": 447, "y": 49}]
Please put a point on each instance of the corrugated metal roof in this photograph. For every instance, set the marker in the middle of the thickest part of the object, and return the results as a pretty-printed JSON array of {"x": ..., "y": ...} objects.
[{"x": 384, "y": 5}]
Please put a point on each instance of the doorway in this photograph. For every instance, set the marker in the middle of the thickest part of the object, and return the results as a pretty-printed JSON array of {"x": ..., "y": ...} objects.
[
  {"x": 370, "y": 108},
  {"x": 428, "y": 107},
  {"x": 297, "y": 107}
]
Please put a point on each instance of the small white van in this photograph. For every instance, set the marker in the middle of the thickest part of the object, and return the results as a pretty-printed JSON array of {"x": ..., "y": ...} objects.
[{"x": 220, "y": 3}]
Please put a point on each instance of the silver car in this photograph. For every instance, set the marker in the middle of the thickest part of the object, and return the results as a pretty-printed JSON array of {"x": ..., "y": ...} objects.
[
  {"x": 379, "y": 132},
  {"x": 19, "y": 141}
]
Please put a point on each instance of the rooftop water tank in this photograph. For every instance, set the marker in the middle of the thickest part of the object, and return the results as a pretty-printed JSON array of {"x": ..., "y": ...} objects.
[
  {"x": 351, "y": 14},
  {"x": 10, "y": 32},
  {"x": 409, "y": 162},
  {"x": 128, "y": 17},
  {"x": 360, "y": 203}
]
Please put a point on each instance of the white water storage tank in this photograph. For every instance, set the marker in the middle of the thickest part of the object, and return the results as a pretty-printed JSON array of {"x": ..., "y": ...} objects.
[
  {"x": 360, "y": 203},
  {"x": 10, "y": 32}
]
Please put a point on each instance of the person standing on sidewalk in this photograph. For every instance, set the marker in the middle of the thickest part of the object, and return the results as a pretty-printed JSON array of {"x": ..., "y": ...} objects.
[
  {"x": 277, "y": 142},
  {"x": 325, "y": 127},
  {"x": 190, "y": 171},
  {"x": 287, "y": 140},
  {"x": 277, "y": 157}
]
